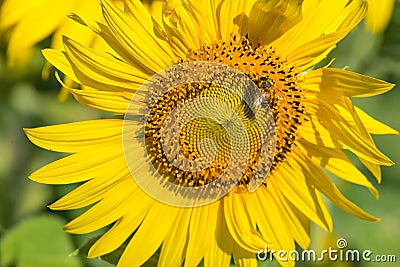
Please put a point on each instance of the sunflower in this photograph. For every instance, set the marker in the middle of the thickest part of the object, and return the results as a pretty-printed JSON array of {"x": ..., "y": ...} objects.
[
  {"x": 207, "y": 83},
  {"x": 379, "y": 15}
]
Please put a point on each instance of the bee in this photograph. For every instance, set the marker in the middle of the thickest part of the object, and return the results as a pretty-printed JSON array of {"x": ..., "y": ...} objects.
[{"x": 270, "y": 91}]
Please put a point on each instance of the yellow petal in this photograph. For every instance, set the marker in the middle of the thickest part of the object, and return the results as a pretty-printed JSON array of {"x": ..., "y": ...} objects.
[
  {"x": 316, "y": 177},
  {"x": 314, "y": 132},
  {"x": 347, "y": 111},
  {"x": 181, "y": 20},
  {"x": 374, "y": 168},
  {"x": 319, "y": 18},
  {"x": 219, "y": 252},
  {"x": 154, "y": 7},
  {"x": 374, "y": 126},
  {"x": 295, "y": 188},
  {"x": 310, "y": 53},
  {"x": 269, "y": 20},
  {"x": 149, "y": 236},
  {"x": 201, "y": 234},
  {"x": 231, "y": 16},
  {"x": 44, "y": 17},
  {"x": 105, "y": 212},
  {"x": 217, "y": 256},
  {"x": 116, "y": 102},
  {"x": 90, "y": 10},
  {"x": 326, "y": 80},
  {"x": 13, "y": 11},
  {"x": 244, "y": 258},
  {"x": 210, "y": 22},
  {"x": 76, "y": 168},
  {"x": 123, "y": 228},
  {"x": 175, "y": 243},
  {"x": 334, "y": 96},
  {"x": 102, "y": 71},
  {"x": 344, "y": 133},
  {"x": 337, "y": 163},
  {"x": 379, "y": 15},
  {"x": 299, "y": 224},
  {"x": 356, "y": 13},
  {"x": 91, "y": 191},
  {"x": 59, "y": 60},
  {"x": 135, "y": 34},
  {"x": 240, "y": 224},
  {"x": 76, "y": 136},
  {"x": 272, "y": 222}
]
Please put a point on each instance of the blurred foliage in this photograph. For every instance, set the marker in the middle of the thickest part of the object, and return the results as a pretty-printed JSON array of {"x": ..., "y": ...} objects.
[
  {"x": 38, "y": 242},
  {"x": 28, "y": 228}
]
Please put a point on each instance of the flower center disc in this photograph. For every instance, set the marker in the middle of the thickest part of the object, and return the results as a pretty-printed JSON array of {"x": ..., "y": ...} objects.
[
  {"x": 208, "y": 127},
  {"x": 279, "y": 81}
]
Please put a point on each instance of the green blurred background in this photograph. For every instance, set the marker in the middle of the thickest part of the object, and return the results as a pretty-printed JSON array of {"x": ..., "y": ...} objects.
[{"x": 31, "y": 235}]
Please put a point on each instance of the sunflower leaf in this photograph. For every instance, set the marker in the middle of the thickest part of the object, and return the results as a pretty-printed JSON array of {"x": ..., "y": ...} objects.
[{"x": 38, "y": 241}]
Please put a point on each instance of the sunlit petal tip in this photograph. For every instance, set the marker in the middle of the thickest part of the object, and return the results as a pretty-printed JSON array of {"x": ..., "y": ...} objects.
[
  {"x": 34, "y": 135},
  {"x": 53, "y": 207},
  {"x": 77, "y": 19},
  {"x": 48, "y": 52},
  {"x": 36, "y": 177},
  {"x": 57, "y": 205},
  {"x": 70, "y": 230}
]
